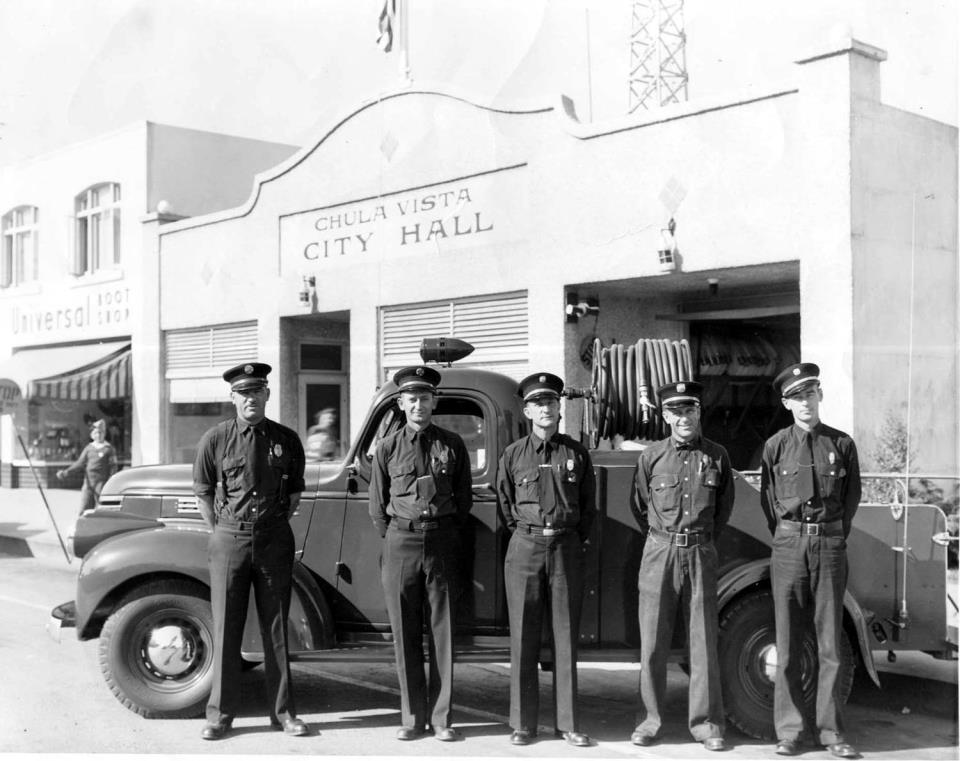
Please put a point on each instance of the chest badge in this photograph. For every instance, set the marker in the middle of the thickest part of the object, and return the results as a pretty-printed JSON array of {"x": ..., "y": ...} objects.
[{"x": 277, "y": 450}]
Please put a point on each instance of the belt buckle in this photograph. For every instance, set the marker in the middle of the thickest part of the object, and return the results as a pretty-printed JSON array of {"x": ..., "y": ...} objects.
[
  {"x": 549, "y": 532},
  {"x": 681, "y": 540},
  {"x": 811, "y": 529}
]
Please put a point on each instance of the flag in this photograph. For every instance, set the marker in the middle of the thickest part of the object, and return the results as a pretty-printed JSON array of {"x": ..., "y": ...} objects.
[{"x": 388, "y": 18}]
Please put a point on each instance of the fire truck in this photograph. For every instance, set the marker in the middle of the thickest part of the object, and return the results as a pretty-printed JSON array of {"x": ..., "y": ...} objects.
[{"x": 143, "y": 587}]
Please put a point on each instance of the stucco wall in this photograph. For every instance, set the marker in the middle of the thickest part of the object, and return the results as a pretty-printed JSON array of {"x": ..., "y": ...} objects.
[{"x": 905, "y": 239}]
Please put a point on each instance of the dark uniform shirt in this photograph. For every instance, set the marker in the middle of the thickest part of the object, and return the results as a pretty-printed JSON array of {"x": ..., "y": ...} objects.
[
  {"x": 549, "y": 484},
  {"x": 684, "y": 487},
  {"x": 251, "y": 471},
  {"x": 420, "y": 480},
  {"x": 837, "y": 484}
]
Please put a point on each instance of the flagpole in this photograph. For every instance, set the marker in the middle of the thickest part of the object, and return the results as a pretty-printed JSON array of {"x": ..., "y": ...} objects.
[{"x": 404, "y": 41}]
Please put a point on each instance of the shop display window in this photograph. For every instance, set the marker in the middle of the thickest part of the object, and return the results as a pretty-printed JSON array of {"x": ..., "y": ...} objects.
[
  {"x": 189, "y": 421},
  {"x": 58, "y": 430}
]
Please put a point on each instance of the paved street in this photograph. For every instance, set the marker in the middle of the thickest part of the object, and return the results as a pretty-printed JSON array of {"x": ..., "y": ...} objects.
[{"x": 55, "y": 701}]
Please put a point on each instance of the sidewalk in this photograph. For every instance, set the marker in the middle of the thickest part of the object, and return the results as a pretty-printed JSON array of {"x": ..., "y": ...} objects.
[{"x": 26, "y": 528}]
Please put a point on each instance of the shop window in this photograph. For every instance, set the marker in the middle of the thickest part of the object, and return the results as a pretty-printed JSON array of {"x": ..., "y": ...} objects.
[
  {"x": 59, "y": 429},
  {"x": 189, "y": 421},
  {"x": 19, "y": 261},
  {"x": 97, "y": 231}
]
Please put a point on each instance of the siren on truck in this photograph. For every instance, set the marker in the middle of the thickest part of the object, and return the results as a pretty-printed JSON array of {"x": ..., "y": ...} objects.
[{"x": 444, "y": 351}]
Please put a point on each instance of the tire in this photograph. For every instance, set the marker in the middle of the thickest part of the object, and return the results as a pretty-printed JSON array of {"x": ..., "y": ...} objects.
[
  {"x": 747, "y": 652},
  {"x": 156, "y": 651}
]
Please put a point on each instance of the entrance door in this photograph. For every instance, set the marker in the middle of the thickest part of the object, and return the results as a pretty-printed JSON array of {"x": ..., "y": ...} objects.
[{"x": 323, "y": 423}]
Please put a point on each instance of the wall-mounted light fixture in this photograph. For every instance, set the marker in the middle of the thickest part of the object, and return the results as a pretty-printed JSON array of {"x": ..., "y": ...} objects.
[
  {"x": 576, "y": 308},
  {"x": 307, "y": 291},
  {"x": 667, "y": 252}
]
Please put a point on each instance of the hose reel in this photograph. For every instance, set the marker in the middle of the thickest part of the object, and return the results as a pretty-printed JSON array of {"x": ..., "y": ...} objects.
[{"x": 623, "y": 399}]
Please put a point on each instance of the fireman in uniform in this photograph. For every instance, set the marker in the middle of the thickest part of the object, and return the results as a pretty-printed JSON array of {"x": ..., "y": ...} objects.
[
  {"x": 547, "y": 500},
  {"x": 248, "y": 477},
  {"x": 683, "y": 492},
  {"x": 809, "y": 491},
  {"x": 420, "y": 497}
]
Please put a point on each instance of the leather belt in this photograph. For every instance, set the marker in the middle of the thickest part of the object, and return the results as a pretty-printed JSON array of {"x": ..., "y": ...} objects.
[
  {"x": 544, "y": 530},
  {"x": 805, "y": 528},
  {"x": 430, "y": 524},
  {"x": 247, "y": 526},
  {"x": 682, "y": 538}
]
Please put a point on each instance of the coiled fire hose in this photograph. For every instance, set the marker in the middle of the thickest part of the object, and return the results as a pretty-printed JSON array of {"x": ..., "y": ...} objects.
[{"x": 623, "y": 397}]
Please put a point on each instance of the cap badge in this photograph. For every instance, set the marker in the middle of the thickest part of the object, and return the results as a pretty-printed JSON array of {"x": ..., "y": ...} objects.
[
  {"x": 419, "y": 371},
  {"x": 277, "y": 450},
  {"x": 796, "y": 371},
  {"x": 543, "y": 378},
  {"x": 248, "y": 369},
  {"x": 681, "y": 387}
]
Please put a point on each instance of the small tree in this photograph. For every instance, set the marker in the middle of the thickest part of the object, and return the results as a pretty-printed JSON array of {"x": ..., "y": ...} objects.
[{"x": 891, "y": 455}]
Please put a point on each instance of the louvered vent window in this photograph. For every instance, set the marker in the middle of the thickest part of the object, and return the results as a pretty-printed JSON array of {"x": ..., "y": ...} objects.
[
  {"x": 497, "y": 327},
  {"x": 210, "y": 349}
]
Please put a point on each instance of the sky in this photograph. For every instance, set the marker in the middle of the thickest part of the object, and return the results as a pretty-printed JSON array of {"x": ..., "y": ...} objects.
[{"x": 282, "y": 70}]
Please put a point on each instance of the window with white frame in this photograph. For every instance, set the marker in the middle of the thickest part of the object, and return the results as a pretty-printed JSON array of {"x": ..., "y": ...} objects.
[
  {"x": 19, "y": 259},
  {"x": 97, "y": 229}
]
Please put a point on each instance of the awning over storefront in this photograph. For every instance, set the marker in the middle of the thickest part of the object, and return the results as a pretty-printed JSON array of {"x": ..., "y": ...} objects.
[{"x": 94, "y": 371}]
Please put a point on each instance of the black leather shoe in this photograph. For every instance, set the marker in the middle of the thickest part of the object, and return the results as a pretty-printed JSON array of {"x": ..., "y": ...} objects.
[
  {"x": 410, "y": 733},
  {"x": 215, "y": 730},
  {"x": 715, "y": 743},
  {"x": 577, "y": 739},
  {"x": 642, "y": 738},
  {"x": 447, "y": 734},
  {"x": 843, "y": 750},
  {"x": 787, "y": 747},
  {"x": 522, "y": 737},
  {"x": 294, "y": 727}
]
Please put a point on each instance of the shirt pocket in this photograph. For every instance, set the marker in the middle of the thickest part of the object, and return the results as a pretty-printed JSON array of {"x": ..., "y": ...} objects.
[
  {"x": 831, "y": 480},
  {"x": 665, "y": 490},
  {"x": 233, "y": 471},
  {"x": 403, "y": 479},
  {"x": 786, "y": 480},
  {"x": 710, "y": 478},
  {"x": 442, "y": 467},
  {"x": 526, "y": 482}
]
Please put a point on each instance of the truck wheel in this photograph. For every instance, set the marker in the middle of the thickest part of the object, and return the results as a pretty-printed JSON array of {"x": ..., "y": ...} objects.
[
  {"x": 156, "y": 651},
  {"x": 748, "y": 661}
]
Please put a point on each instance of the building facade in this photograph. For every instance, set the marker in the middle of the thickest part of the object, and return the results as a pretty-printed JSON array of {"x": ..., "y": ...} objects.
[
  {"x": 77, "y": 282},
  {"x": 803, "y": 219}
]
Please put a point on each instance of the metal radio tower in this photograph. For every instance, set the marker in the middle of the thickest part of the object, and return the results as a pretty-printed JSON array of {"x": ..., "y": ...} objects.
[{"x": 658, "y": 59}]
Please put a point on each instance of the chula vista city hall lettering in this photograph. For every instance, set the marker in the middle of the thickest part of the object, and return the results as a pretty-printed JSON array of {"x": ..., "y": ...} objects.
[{"x": 351, "y": 230}]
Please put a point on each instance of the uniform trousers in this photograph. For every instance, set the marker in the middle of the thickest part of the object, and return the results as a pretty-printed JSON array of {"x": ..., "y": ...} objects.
[
  {"x": 809, "y": 575},
  {"x": 685, "y": 577},
  {"x": 419, "y": 572},
  {"x": 543, "y": 575},
  {"x": 263, "y": 559}
]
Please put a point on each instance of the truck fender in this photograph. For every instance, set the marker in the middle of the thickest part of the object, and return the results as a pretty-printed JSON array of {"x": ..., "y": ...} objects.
[
  {"x": 860, "y": 620},
  {"x": 123, "y": 561},
  {"x": 757, "y": 572}
]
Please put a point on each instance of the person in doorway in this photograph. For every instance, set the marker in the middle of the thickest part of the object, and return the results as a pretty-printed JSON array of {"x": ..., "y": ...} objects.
[
  {"x": 248, "y": 478},
  {"x": 809, "y": 492},
  {"x": 420, "y": 497},
  {"x": 323, "y": 438},
  {"x": 97, "y": 462},
  {"x": 683, "y": 497},
  {"x": 546, "y": 492}
]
